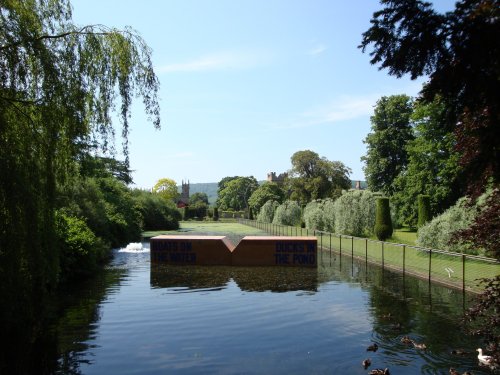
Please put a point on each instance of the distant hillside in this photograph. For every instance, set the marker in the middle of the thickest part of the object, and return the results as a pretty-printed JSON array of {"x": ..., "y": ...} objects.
[{"x": 210, "y": 189}]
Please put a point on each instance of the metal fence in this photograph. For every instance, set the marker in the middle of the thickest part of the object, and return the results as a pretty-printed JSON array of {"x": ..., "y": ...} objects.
[{"x": 456, "y": 270}]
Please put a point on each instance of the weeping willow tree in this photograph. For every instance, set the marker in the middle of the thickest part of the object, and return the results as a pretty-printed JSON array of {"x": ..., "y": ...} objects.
[{"x": 59, "y": 85}]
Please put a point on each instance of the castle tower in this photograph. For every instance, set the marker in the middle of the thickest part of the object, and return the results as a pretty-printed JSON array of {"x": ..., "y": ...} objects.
[
  {"x": 272, "y": 177},
  {"x": 184, "y": 198}
]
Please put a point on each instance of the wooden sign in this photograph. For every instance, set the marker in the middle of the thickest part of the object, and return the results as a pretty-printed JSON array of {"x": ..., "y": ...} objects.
[
  {"x": 276, "y": 251},
  {"x": 191, "y": 250},
  {"x": 251, "y": 251}
]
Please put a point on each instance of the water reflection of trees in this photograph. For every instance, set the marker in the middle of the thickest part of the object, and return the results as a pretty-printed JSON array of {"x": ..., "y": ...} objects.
[
  {"x": 256, "y": 279},
  {"x": 276, "y": 279},
  {"x": 80, "y": 309},
  {"x": 57, "y": 342}
]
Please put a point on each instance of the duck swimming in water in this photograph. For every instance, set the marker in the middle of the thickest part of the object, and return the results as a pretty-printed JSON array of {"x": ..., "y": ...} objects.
[
  {"x": 484, "y": 359},
  {"x": 406, "y": 340},
  {"x": 379, "y": 371},
  {"x": 460, "y": 352},
  {"x": 372, "y": 348},
  {"x": 419, "y": 346},
  {"x": 366, "y": 363}
]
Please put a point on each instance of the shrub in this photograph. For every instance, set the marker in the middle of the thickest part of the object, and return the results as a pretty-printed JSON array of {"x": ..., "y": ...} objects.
[
  {"x": 383, "y": 223},
  {"x": 314, "y": 216},
  {"x": 81, "y": 250},
  {"x": 438, "y": 232},
  {"x": 266, "y": 213},
  {"x": 354, "y": 213},
  {"x": 216, "y": 214},
  {"x": 156, "y": 213},
  {"x": 320, "y": 215},
  {"x": 424, "y": 209},
  {"x": 288, "y": 213}
]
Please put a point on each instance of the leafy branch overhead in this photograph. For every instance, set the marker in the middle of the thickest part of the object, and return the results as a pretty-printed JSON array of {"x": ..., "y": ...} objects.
[
  {"x": 77, "y": 73},
  {"x": 60, "y": 84}
]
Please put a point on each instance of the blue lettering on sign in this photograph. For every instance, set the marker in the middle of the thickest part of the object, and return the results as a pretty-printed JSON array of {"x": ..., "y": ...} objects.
[
  {"x": 293, "y": 252},
  {"x": 290, "y": 247},
  {"x": 182, "y": 257},
  {"x": 304, "y": 259},
  {"x": 281, "y": 259},
  {"x": 173, "y": 252},
  {"x": 311, "y": 247}
]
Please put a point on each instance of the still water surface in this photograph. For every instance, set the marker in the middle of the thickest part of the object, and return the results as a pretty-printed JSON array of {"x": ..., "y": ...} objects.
[{"x": 144, "y": 319}]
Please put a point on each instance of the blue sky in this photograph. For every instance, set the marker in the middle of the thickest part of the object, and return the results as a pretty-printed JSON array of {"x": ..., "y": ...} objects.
[{"x": 247, "y": 83}]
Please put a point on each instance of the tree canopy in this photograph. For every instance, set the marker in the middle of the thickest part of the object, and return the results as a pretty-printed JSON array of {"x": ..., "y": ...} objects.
[
  {"x": 166, "y": 188},
  {"x": 265, "y": 192},
  {"x": 236, "y": 193},
  {"x": 59, "y": 85},
  {"x": 432, "y": 168},
  {"x": 314, "y": 177},
  {"x": 459, "y": 51},
  {"x": 386, "y": 155}
]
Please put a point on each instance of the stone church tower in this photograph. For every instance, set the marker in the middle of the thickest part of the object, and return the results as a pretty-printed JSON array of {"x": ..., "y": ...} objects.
[{"x": 184, "y": 198}]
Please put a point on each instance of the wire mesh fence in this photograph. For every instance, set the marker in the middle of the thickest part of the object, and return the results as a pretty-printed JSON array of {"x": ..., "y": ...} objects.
[{"x": 456, "y": 270}]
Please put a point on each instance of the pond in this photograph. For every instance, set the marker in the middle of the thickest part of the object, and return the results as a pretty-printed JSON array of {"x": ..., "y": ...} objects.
[{"x": 143, "y": 319}]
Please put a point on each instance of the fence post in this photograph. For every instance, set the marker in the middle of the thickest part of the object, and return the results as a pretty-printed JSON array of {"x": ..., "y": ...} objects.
[
  {"x": 330, "y": 249},
  {"x": 340, "y": 244},
  {"x": 430, "y": 264},
  {"x": 366, "y": 252},
  {"x": 321, "y": 244},
  {"x": 382, "y": 255},
  {"x": 463, "y": 273},
  {"x": 352, "y": 247},
  {"x": 404, "y": 258}
]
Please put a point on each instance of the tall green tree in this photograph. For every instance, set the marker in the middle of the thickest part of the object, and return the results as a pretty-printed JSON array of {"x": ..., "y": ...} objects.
[
  {"x": 265, "y": 192},
  {"x": 167, "y": 189},
  {"x": 59, "y": 83},
  {"x": 236, "y": 193},
  {"x": 433, "y": 164},
  {"x": 314, "y": 177},
  {"x": 386, "y": 156}
]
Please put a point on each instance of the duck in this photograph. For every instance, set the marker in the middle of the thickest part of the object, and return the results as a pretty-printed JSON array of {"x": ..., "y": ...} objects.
[
  {"x": 453, "y": 371},
  {"x": 460, "y": 352},
  {"x": 484, "y": 359},
  {"x": 379, "y": 371},
  {"x": 406, "y": 340},
  {"x": 366, "y": 363},
  {"x": 419, "y": 346},
  {"x": 397, "y": 326},
  {"x": 372, "y": 348}
]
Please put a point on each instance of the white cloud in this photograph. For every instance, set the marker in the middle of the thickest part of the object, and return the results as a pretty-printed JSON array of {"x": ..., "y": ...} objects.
[
  {"x": 341, "y": 109},
  {"x": 317, "y": 50},
  {"x": 232, "y": 60}
]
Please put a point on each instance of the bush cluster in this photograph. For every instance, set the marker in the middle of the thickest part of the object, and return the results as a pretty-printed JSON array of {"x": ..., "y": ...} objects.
[
  {"x": 439, "y": 232},
  {"x": 288, "y": 213}
]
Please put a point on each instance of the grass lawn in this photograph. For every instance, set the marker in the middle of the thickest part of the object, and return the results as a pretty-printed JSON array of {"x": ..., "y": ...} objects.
[{"x": 405, "y": 236}]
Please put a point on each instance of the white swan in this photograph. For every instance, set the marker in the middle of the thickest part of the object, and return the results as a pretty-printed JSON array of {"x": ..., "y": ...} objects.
[{"x": 484, "y": 359}]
